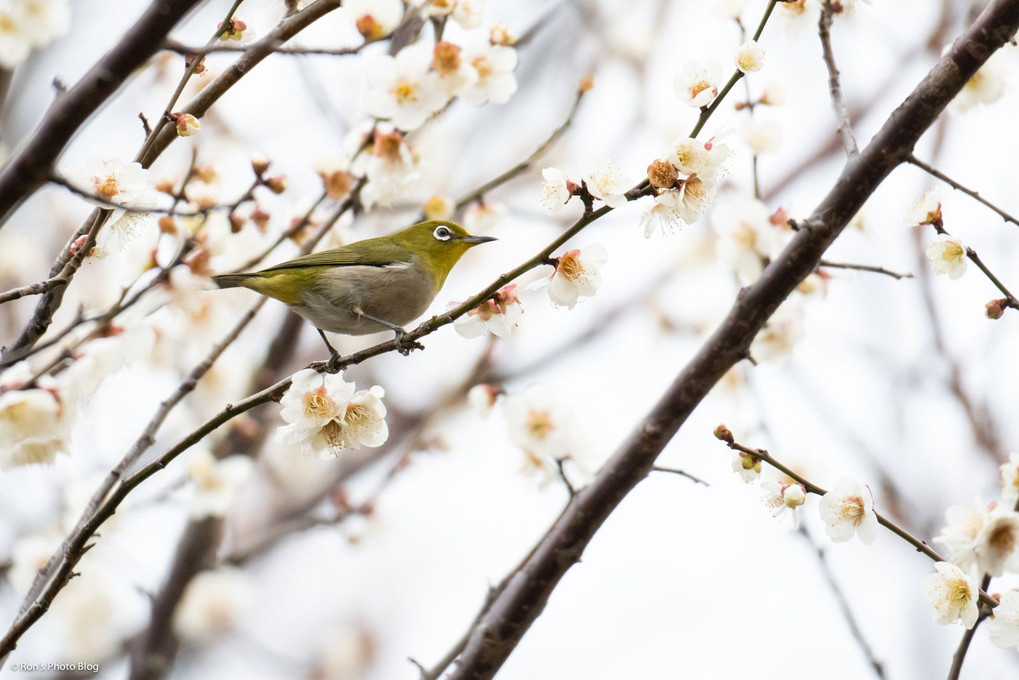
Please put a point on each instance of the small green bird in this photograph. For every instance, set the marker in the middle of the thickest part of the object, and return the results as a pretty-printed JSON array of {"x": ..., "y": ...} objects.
[{"x": 368, "y": 286}]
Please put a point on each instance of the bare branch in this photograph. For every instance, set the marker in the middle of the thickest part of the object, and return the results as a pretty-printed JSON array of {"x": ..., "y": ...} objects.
[
  {"x": 30, "y": 169},
  {"x": 865, "y": 268},
  {"x": 934, "y": 172},
  {"x": 838, "y": 100}
]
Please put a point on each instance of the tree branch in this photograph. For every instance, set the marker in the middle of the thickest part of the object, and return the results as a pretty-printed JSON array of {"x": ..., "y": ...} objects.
[
  {"x": 838, "y": 100},
  {"x": 528, "y": 589},
  {"x": 33, "y": 165}
]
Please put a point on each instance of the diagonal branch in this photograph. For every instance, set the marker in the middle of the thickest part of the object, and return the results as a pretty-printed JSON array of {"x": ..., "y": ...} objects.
[
  {"x": 838, "y": 100},
  {"x": 30, "y": 169},
  {"x": 528, "y": 589}
]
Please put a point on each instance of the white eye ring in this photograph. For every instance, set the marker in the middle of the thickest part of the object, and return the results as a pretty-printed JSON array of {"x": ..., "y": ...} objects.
[{"x": 442, "y": 233}]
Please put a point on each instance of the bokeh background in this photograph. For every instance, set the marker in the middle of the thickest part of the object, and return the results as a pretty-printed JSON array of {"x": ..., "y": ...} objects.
[{"x": 903, "y": 384}]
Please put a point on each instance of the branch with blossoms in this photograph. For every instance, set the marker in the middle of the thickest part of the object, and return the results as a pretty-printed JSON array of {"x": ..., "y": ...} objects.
[{"x": 982, "y": 541}]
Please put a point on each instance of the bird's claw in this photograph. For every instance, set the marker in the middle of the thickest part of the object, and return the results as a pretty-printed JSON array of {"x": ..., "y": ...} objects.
[
  {"x": 405, "y": 347},
  {"x": 333, "y": 365}
]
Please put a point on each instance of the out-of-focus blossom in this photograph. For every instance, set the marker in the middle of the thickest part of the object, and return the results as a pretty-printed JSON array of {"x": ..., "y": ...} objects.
[
  {"x": 32, "y": 427},
  {"x": 213, "y": 603},
  {"x": 374, "y": 19},
  {"x": 403, "y": 89},
  {"x": 216, "y": 482},
  {"x": 985, "y": 87},
  {"x": 29, "y": 24},
  {"x": 482, "y": 397},
  {"x": 761, "y": 135},
  {"x": 1003, "y": 627},
  {"x": 745, "y": 235},
  {"x": 697, "y": 82},
  {"x": 494, "y": 65},
  {"x": 1010, "y": 478}
]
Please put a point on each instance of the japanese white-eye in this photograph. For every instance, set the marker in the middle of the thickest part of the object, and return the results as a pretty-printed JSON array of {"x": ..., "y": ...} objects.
[{"x": 367, "y": 286}]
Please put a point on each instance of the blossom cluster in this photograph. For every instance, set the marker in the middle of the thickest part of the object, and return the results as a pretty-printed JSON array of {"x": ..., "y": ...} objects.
[{"x": 29, "y": 24}]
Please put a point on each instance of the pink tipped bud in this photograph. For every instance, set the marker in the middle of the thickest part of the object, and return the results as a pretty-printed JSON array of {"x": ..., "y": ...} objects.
[
  {"x": 277, "y": 184},
  {"x": 996, "y": 308},
  {"x": 186, "y": 124},
  {"x": 723, "y": 433}
]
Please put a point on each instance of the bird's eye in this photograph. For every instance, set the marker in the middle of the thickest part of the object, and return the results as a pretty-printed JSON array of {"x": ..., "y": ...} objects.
[{"x": 442, "y": 233}]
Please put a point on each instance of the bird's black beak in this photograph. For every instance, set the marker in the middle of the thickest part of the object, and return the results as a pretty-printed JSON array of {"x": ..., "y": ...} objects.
[{"x": 477, "y": 239}]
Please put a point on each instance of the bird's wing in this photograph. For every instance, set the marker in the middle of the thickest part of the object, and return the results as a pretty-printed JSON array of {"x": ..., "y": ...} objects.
[{"x": 382, "y": 254}]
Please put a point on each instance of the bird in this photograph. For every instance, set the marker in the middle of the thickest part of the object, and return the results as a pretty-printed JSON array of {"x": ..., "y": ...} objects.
[{"x": 368, "y": 286}]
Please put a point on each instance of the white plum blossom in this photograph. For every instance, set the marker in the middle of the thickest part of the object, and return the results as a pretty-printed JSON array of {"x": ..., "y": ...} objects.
[
  {"x": 730, "y": 9},
  {"x": 947, "y": 255},
  {"x": 324, "y": 414},
  {"x": 438, "y": 8},
  {"x": 693, "y": 157},
  {"x": 403, "y": 89},
  {"x": 482, "y": 397},
  {"x": 111, "y": 180},
  {"x": 746, "y": 466},
  {"x": 1003, "y": 627},
  {"x": 761, "y": 135},
  {"x": 750, "y": 57},
  {"x": 954, "y": 594},
  {"x": 344, "y": 653},
  {"x": 745, "y": 235},
  {"x": 986, "y": 86},
  {"x": 498, "y": 315},
  {"x": 494, "y": 65},
  {"x": 697, "y": 82},
  {"x": 556, "y": 189},
  {"x": 439, "y": 207},
  {"x": 577, "y": 274},
  {"x": 1010, "y": 479},
  {"x": 468, "y": 13},
  {"x": 375, "y": 19},
  {"x": 997, "y": 541},
  {"x": 29, "y": 24},
  {"x": 391, "y": 168},
  {"x": 32, "y": 427},
  {"x": 453, "y": 71},
  {"x": 781, "y": 333},
  {"x": 606, "y": 183},
  {"x": 217, "y": 482},
  {"x": 963, "y": 524},
  {"x": 781, "y": 497},
  {"x": 662, "y": 216},
  {"x": 542, "y": 425},
  {"x": 925, "y": 210},
  {"x": 483, "y": 216},
  {"x": 848, "y": 510},
  {"x": 213, "y": 603}
]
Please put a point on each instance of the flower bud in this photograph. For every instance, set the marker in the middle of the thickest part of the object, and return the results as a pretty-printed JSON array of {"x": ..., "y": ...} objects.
[
  {"x": 260, "y": 219},
  {"x": 585, "y": 85},
  {"x": 996, "y": 308},
  {"x": 276, "y": 184},
  {"x": 723, "y": 433},
  {"x": 232, "y": 29},
  {"x": 168, "y": 225},
  {"x": 186, "y": 124},
  {"x": 259, "y": 164},
  {"x": 501, "y": 35}
]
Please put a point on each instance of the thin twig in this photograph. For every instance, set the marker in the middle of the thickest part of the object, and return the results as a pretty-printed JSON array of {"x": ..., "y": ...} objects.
[
  {"x": 934, "y": 172},
  {"x": 838, "y": 100},
  {"x": 193, "y": 51},
  {"x": 865, "y": 268},
  {"x": 681, "y": 473}
]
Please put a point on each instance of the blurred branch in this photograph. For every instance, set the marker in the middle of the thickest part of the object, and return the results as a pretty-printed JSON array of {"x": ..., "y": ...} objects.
[
  {"x": 189, "y": 51},
  {"x": 865, "y": 268},
  {"x": 838, "y": 100},
  {"x": 499, "y": 630},
  {"x": 934, "y": 172},
  {"x": 526, "y": 164},
  {"x": 31, "y": 167},
  {"x": 843, "y": 604}
]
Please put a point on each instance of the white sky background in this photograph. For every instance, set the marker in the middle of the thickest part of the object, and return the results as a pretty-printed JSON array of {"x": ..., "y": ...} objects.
[{"x": 683, "y": 581}]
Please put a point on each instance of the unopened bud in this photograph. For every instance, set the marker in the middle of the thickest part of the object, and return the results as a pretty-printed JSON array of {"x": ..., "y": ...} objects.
[
  {"x": 186, "y": 124},
  {"x": 166, "y": 186},
  {"x": 585, "y": 85},
  {"x": 723, "y": 433},
  {"x": 232, "y": 29},
  {"x": 277, "y": 184},
  {"x": 439, "y": 207},
  {"x": 996, "y": 308},
  {"x": 337, "y": 183},
  {"x": 259, "y": 164},
  {"x": 236, "y": 222},
  {"x": 501, "y": 35},
  {"x": 260, "y": 219},
  {"x": 662, "y": 174},
  {"x": 369, "y": 28}
]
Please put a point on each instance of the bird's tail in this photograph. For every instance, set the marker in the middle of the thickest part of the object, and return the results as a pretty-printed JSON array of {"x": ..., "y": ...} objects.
[{"x": 231, "y": 280}]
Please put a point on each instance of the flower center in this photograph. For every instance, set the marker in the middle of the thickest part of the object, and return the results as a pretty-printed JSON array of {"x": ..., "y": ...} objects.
[
  {"x": 483, "y": 67},
  {"x": 852, "y": 510},
  {"x": 107, "y": 187},
  {"x": 1002, "y": 539},
  {"x": 958, "y": 593},
  {"x": 405, "y": 92},
  {"x": 539, "y": 424},
  {"x": 569, "y": 265},
  {"x": 318, "y": 404}
]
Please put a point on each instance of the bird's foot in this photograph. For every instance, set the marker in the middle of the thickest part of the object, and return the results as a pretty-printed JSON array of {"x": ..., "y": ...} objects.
[
  {"x": 333, "y": 365},
  {"x": 404, "y": 346}
]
